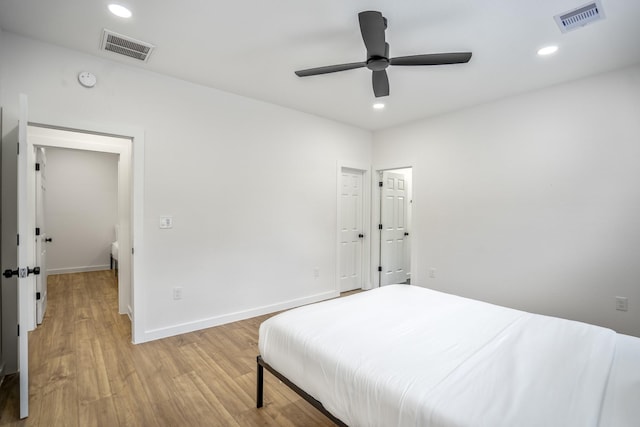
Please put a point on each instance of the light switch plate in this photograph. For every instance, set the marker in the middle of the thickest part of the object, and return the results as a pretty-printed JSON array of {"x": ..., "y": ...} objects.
[
  {"x": 166, "y": 222},
  {"x": 622, "y": 303}
]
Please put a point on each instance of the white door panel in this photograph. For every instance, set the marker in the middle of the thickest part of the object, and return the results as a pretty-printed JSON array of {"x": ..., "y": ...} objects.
[
  {"x": 393, "y": 217},
  {"x": 351, "y": 228}
]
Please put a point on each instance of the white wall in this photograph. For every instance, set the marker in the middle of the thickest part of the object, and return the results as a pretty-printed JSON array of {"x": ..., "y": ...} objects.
[
  {"x": 251, "y": 186},
  {"x": 81, "y": 209},
  {"x": 533, "y": 201}
]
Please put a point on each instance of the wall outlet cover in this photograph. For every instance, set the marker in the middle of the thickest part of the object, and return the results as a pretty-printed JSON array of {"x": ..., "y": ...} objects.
[
  {"x": 622, "y": 304},
  {"x": 166, "y": 222}
]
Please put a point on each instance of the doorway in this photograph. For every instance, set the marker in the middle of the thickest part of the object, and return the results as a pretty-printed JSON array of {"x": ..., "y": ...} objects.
[
  {"x": 353, "y": 225},
  {"x": 351, "y": 229},
  {"x": 393, "y": 215},
  {"x": 22, "y": 187},
  {"x": 47, "y": 137}
]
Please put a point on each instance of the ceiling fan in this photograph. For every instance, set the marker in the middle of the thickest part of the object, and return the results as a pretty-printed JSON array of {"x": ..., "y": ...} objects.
[{"x": 372, "y": 27}]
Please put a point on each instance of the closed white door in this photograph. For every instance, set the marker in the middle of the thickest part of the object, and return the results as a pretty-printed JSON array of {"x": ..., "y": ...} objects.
[
  {"x": 351, "y": 229},
  {"x": 41, "y": 235},
  {"x": 394, "y": 231}
]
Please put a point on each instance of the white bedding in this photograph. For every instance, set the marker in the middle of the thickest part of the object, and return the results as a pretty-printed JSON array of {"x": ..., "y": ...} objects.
[{"x": 408, "y": 356}]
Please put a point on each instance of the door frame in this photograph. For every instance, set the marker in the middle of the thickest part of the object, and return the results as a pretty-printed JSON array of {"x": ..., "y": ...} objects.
[
  {"x": 130, "y": 200},
  {"x": 375, "y": 220},
  {"x": 40, "y": 239},
  {"x": 366, "y": 219}
]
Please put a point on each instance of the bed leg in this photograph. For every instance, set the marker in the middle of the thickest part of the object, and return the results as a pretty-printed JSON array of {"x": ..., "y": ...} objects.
[{"x": 260, "y": 384}]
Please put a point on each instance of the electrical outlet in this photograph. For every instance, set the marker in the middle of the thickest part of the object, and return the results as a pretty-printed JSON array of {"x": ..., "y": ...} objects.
[
  {"x": 432, "y": 273},
  {"x": 177, "y": 293},
  {"x": 316, "y": 272},
  {"x": 622, "y": 303}
]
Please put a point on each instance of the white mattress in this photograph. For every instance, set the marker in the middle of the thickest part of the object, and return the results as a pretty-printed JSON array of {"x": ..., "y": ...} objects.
[{"x": 407, "y": 356}]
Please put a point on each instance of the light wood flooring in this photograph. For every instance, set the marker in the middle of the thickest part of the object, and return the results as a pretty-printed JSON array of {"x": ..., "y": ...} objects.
[{"x": 85, "y": 372}]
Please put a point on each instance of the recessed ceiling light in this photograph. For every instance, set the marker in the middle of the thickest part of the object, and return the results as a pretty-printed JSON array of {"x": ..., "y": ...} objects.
[
  {"x": 547, "y": 50},
  {"x": 378, "y": 106},
  {"x": 119, "y": 10}
]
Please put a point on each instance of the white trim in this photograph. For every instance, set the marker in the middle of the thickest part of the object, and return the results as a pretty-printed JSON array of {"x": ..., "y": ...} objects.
[
  {"x": 137, "y": 309},
  {"x": 210, "y": 322},
  {"x": 366, "y": 218},
  {"x": 82, "y": 269}
]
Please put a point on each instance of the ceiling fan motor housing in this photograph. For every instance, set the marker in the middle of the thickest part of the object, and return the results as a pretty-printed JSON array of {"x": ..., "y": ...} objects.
[{"x": 377, "y": 63}]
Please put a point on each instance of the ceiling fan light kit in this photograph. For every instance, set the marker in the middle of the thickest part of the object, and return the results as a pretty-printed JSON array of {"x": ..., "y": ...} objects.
[{"x": 372, "y": 28}]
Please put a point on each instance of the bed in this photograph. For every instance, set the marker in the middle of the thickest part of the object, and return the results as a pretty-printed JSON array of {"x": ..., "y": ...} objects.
[{"x": 403, "y": 355}]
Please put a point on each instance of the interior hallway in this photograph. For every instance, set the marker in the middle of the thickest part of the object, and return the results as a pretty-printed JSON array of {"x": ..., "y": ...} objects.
[{"x": 84, "y": 371}]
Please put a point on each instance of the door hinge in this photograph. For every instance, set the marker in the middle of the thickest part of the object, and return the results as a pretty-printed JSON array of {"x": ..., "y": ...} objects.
[
  {"x": 379, "y": 226},
  {"x": 379, "y": 268},
  {"x": 379, "y": 183},
  {"x": 37, "y": 166},
  {"x": 37, "y": 231},
  {"x": 18, "y": 241},
  {"x": 18, "y": 330},
  {"x": 38, "y": 296},
  {"x": 131, "y": 251},
  {"x": 18, "y": 148}
]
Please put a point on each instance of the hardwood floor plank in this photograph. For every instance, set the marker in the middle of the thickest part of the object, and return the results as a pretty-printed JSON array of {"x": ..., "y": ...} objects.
[
  {"x": 84, "y": 370},
  {"x": 97, "y": 413}
]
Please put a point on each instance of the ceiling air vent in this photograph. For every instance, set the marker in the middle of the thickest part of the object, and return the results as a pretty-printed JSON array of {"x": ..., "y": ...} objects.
[
  {"x": 126, "y": 46},
  {"x": 580, "y": 16}
]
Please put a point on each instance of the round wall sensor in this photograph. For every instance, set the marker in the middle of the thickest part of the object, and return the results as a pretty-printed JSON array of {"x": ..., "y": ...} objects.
[{"x": 87, "y": 79}]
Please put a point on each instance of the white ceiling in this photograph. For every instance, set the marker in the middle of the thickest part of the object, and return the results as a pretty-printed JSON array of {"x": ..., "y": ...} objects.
[{"x": 252, "y": 47}]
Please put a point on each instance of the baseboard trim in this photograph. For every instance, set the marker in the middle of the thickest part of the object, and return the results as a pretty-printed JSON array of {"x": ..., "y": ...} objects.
[
  {"x": 78, "y": 269},
  {"x": 183, "y": 328}
]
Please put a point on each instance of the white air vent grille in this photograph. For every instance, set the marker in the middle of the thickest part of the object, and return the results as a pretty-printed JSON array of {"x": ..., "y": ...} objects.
[
  {"x": 126, "y": 46},
  {"x": 580, "y": 16}
]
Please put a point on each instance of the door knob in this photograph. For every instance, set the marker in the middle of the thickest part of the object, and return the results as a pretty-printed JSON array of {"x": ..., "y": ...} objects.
[
  {"x": 48, "y": 239},
  {"x": 361, "y": 235},
  {"x": 8, "y": 273},
  {"x": 22, "y": 272}
]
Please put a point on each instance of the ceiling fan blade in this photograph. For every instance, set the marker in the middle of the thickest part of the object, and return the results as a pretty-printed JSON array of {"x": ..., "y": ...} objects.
[
  {"x": 372, "y": 26},
  {"x": 329, "y": 69},
  {"x": 380, "y": 83},
  {"x": 432, "y": 59}
]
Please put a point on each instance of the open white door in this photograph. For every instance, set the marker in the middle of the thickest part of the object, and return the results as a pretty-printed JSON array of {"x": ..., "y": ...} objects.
[
  {"x": 393, "y": 217},
  {"x": 25, "y": 260}
]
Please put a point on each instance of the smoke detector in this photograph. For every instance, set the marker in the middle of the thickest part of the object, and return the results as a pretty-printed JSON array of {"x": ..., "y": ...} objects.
[
  {"x": 126, "y": 46},
  {"x": 580, "y": 16}
]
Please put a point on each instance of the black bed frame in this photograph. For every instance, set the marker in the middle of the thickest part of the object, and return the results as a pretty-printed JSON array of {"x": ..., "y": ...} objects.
[{"x": 260, "y": 391}]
